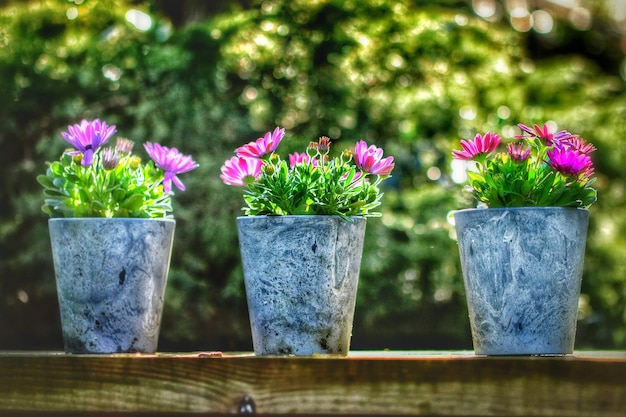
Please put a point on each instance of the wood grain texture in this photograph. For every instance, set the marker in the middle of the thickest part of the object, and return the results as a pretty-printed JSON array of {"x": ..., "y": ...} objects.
[{"x": 364, "y": 383}]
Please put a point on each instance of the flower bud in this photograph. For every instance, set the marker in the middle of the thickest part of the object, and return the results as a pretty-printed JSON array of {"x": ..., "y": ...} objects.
[
  {"x": 124, "y": 145},
  {"x": 323, "y": 145},
  {"x": 110, "y": 158},
  {"x": 269, "y": 169},
  {"x": 346, "y": 156},
  {"x": 311, "y": 150},
  {"x": 135, "y": 162}
]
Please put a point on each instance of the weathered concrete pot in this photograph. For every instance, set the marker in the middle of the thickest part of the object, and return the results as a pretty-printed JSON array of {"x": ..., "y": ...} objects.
[
  {"x": 111, "y": 276},
  {"x": 522, "y": 269},
  {"x": 301, "y": 275}
]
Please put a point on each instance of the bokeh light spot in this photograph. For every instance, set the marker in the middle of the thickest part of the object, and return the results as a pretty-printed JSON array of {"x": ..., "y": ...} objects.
[
  {"x": 140, "y": 20},
  {"x": 71, "y": 13},
  {"x": 542, "y": 21}
]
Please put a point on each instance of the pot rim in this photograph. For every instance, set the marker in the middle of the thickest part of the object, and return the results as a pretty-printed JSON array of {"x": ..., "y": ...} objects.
[
  {"x": 522, "y": 208},
  {"x": 296, "y": 216},
  {"x": 99, "y": 219}
]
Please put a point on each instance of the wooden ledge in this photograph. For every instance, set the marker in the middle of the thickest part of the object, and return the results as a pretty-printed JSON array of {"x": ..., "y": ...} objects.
[{"x": 365, "y": 383}]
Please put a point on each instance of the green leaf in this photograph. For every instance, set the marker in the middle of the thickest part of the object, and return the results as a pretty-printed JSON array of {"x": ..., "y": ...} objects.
[{"x": 134, "y": 202}]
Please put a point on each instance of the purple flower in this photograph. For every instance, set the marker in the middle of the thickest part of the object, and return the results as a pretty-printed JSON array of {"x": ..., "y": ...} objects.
[
  {"x": 87, "y": 137},
  {"x": 371, "y": 159},
  {"x": 262, "y": 146},
  {"x": 481, "y": 145},
  {"x": 518, "y": 152},
  {"x": 241, "y": 171},
  {"x": 172, "y": 162},
  {"x": 570, "y": 162}
]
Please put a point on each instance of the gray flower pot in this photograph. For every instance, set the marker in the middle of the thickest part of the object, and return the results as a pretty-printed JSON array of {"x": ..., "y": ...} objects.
[
  {"x": 301, "y": 276},
  {"x": 522, "y": 269},
  {"x": 111, "y": 276}
]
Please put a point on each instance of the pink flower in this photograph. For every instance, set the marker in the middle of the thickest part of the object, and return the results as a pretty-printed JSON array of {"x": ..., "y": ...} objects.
[
  {"x": 297, "y": 158},
  {"x": 518, "y": 152},
  {"x": 480, "y": 145},
  {"x": 172, "y": 162},
  {"x": 241, "y": 171},
  {"x": 570, "y": 162},
  {"x": 543, "y": 133},
  {"x": 371, "y": 159},
  {"x": 262, "y": 146},
  {"x": 579, "y": 144}
]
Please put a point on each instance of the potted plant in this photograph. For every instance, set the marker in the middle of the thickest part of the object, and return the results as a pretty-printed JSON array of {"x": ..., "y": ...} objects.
[
  {"x": 301, "y": 240},
  {"x": 522, "y": 249},
  {"x": 111, "y": 233}
]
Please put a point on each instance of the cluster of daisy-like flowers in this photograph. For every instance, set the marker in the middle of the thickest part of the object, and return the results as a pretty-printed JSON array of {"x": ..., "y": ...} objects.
[
  {"x": 539, "y": 168},
  {"x": 311, "y": 182},
  {"x": 94, "y": 180}
]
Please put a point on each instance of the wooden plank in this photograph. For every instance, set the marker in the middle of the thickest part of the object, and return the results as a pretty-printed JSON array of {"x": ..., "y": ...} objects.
[{"x": 364, "y": 383}]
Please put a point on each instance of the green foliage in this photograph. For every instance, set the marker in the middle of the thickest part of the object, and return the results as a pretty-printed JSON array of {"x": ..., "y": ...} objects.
[
  {"x": 316, "y": 184},
  {"x": 505, "y": 182},
  {"x": 332, "y": 188},
  {"x": 540, "y": 172},
  {"x": 385, "y": 71},
  {"x": 130, "y": 189}
]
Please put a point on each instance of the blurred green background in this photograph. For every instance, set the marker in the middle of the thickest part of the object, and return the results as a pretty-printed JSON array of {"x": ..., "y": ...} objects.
[{"x": 411, "y": 76}]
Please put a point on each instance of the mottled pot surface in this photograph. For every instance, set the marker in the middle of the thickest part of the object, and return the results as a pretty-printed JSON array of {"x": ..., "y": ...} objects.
[
  {"x": 111, "y": 276},
  {"x": 522, "y": 269},
  {"x": 301, "y": 276}
]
